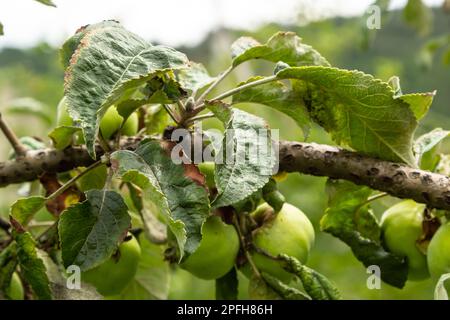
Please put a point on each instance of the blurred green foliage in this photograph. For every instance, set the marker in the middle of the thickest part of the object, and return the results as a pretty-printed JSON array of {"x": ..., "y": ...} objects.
[{"x": 395, "y": 50}]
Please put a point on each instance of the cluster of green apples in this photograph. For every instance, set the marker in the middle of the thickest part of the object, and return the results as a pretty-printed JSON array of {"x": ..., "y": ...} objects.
[
  {"x": 402, "y": 229},
  {"x": 285, "y": 232}
]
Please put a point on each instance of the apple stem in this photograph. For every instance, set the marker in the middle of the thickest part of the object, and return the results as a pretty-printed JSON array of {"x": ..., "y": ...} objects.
[{"x": 236, "y": 222}]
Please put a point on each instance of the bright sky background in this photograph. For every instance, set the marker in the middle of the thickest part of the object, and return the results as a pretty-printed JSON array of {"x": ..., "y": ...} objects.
[{"x": 172, "y": 22}]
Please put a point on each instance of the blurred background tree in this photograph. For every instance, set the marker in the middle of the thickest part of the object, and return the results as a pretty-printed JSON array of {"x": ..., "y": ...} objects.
[{"x": 413, "y": 43}]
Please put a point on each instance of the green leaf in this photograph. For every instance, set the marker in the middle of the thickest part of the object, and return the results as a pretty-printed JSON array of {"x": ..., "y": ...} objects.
[
  {"x": 24, "y": 209},
  {"x": 29, "y": 106},
  {"x": 283, "y": 46},
  {"x": 358, "y": 110},
  {"x": 278, "y": 96},
  {"x": 194, "y": 78},
  {"x": 63, "y": 136},
  {"x": 440, "y": 293},
  {"x": 348, "y": 218},
  {"x": 1, "y": 29},
  {"x": 419, "y": 103},
  {"x": 227, "y": 286},
  {"x": 315, "y": 284},
  {"x": 152, "y": 279},
  {"x": 245, "y": 164},
  {"x": 8, "y": 264},
  {"x": 47, "y": 2},
  {"x": 32, "y": 267},
  {"x": 91, "y": 230},
  {"x": 425, "y": 148},
  {"x": 183, "y": 203},
  {"x": 285, "y": 291},
  {"x": 109, "y": 62}
]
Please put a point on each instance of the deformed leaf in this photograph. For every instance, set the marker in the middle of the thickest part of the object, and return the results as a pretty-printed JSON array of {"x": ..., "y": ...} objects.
[
  {"x": 91, "y": 230},
  {"x": 315, "y": 284},
  {"x": 348, "y": 219},
  {"x": 246, "y": 159},
  {"x": 32, "y": 267},
  {"x": 227, "y": 286},
  {"x": 258, "y": 289},
  {"x": 282, "y": 46},
  {"x": 152, "y": 279},
  {"x": 24, "y": 209},
  {"x": 279, "y": 96},
  {"x": 184, "y": 203},
  {"x": 285, "y": 291},
  {"x": 110, "y": 61},
  {"x": 358, "y": 110}
]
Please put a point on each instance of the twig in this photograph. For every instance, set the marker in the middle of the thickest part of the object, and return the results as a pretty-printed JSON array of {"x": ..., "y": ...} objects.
[
  {"x": 171, "y": 114},
  {"x": 237, "y": 225},
  {"x": 237, "y": 90},
  {"x": 213, "y": 85},
  {"x": 18, "y": 147}
]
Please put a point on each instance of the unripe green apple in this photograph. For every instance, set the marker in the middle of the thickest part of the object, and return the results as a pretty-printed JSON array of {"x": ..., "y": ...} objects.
[
  {"x": 217, "y": 252},
  {"x": 401, "y": 227},
  {"x": 207, "y": 169},
  {"x": 287, "y": 232},
  {"x": 438, "y": 254},
  {"x": 112, "y": 121},
  {"x": 113, "y": 275},
  {"x": 15, "y": 288}
]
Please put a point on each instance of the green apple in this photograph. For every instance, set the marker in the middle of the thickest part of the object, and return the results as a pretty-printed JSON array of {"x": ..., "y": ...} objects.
[
  {"x": 207, "y": 169},
  {"x": 15, "y": 288},
  {"x": 112, "y": 276},
  {"x": 109, "y": 124},
  {"x": 217, "y": 252},
  {"x": 112, "y": 121},
  {"x": 438, "y": 255},
  {"x": 401, "y": 227},
  {"x": 287, "y": 232}
]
